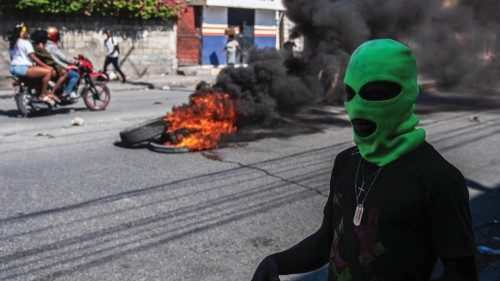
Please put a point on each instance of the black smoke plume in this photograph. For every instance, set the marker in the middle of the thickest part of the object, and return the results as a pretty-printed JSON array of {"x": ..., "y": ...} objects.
[
  {"x": 267, "y": 87},
  {"x": 455, "y": 42}
]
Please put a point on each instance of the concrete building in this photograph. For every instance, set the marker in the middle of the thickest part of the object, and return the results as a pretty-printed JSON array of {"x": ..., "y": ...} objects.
[{"x": 255, "y": 23}]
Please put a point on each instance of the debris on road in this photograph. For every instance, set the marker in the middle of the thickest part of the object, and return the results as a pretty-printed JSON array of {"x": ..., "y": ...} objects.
[
  {"x": 157, "y": 102},
  {"x": 47, "y": 135},
  {"x": 475, "y": 118},
  {"x": 77, "y": 121}
]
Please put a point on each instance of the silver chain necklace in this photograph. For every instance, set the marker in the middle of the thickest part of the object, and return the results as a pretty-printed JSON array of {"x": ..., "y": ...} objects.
[{"x": 358, "y": 213}]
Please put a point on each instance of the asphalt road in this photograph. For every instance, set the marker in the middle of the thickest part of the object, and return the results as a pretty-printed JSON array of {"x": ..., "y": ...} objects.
[{"x": 75, "y": 206}]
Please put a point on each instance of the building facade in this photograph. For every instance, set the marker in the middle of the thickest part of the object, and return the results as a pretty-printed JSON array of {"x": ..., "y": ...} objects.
[{"x": 255, "y": 23}]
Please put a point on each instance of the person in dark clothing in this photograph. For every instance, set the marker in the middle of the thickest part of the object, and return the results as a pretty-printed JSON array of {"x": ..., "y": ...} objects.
[
  {"x": 112, "y": 53},
  {"x": 39, "y": 38},
  {"x": 395, "y": 204},
  {"x": 288, "y": 47}
]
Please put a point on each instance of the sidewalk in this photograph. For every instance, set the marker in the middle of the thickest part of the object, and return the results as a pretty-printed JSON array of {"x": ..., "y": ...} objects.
[
  {"x": 157, "y": 82},
  {"x": 161, "y": 82}
]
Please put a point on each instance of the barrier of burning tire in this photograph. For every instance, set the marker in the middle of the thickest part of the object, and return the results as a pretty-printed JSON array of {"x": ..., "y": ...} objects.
[
  {"x": 158, "y": 147},
  {"x": 143, "y": 132}
]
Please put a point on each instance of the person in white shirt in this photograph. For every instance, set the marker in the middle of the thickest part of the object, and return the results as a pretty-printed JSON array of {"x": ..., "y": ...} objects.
[
  {"x": 112, "y": 52},
  {"x": 232, "y": 48},
  {"x": 25, "y": 63}
]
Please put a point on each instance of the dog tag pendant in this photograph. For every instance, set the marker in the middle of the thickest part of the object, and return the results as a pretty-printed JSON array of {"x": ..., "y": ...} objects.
[{"x": 358, "y": 215}]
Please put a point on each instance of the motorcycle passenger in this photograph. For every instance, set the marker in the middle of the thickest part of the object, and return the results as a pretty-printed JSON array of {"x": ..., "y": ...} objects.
[
  {"x": 61, "y": 59},
  {"x": 39, "y": 38},
  {"x": 23, "y": 59}
]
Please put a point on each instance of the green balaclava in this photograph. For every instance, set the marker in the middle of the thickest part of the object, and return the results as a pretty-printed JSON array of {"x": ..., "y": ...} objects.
[{"x": 394, "y": 135}]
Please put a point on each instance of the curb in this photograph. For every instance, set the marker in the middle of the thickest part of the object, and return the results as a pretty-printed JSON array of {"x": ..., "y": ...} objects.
[
  {"x": 164, "y": 87},
  {"x": 6, "y": 94}
]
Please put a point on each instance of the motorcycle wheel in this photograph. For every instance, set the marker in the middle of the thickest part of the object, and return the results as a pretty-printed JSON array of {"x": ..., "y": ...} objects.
[
  {"x": 97, "y": 100},
  {"x": 22, "y": 102}
]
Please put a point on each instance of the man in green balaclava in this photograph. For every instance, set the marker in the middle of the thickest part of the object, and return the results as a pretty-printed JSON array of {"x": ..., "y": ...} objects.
[
  {"x": 385, "y": 102},
  {"x": 395, "y": 204}
]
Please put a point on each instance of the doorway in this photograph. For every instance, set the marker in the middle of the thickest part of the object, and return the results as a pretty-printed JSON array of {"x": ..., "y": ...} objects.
[{"x": 244, "y": 20}]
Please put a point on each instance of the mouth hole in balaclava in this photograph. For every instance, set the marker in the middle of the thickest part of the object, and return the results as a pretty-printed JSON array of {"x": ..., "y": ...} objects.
[{"x": 363, "y": 127}]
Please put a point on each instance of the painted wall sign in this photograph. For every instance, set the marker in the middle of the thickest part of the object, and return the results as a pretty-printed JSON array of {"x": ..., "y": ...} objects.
[{"x": 249, "y": 4}]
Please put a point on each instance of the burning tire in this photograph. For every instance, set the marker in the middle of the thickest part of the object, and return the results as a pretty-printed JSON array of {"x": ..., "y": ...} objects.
[
  {"x": 143, "y": 132},
  {"x": 158, "y": 147}
]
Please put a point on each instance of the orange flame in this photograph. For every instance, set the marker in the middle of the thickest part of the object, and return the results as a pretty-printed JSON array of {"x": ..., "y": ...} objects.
[{"x": 206, "y": 118}]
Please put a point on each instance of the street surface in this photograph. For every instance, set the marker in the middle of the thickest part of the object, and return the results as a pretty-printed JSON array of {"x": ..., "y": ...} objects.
[{"x": 74, "y": 205}]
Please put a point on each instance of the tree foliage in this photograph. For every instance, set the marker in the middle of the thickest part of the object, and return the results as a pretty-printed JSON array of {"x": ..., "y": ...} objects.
[{"x": 142, "y": 9}]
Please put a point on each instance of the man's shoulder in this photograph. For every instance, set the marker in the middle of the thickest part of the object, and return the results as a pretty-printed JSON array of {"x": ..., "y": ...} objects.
[
  {"x": 50, "y": 46},
  {"x": 434, "y": 158},
  {"x": 348, "y": 152},
  {"x": 344, "y": 155},
  {"x": 436, "y": 166}
]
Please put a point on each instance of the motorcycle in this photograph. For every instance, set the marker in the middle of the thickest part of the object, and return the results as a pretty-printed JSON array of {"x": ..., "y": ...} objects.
[{"x": 91, "y": 87}]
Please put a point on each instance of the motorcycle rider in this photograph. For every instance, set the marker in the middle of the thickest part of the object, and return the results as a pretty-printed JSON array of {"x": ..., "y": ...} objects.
[
  {"x": 39, "y": 39},
  {"x": 25, "y": 63},
  {"x": 52, "y": 46}
]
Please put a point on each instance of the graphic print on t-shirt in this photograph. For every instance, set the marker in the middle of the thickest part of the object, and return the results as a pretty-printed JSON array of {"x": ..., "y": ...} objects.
[{"x": 366, "y": 234}]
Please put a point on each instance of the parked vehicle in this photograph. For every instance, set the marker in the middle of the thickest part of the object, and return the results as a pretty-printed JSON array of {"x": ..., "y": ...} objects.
[{"x": 91, "y": 87}]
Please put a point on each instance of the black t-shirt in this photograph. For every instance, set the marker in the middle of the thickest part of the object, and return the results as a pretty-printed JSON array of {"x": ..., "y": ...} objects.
[{"x": 417, "y": 210}]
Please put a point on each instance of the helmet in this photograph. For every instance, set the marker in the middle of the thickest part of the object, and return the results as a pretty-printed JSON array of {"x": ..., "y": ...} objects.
[{"x": 53, "y": 34}]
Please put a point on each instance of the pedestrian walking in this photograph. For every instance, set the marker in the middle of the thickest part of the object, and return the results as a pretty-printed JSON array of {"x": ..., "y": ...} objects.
[
  {"x": 395, "y": 204},
  {"x": 112, "y": 53}
]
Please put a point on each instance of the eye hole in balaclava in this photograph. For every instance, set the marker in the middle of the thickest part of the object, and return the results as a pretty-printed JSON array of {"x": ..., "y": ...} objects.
[
  {"x": 349, "y": 93},
  {"x": 380, "y": 90}
]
